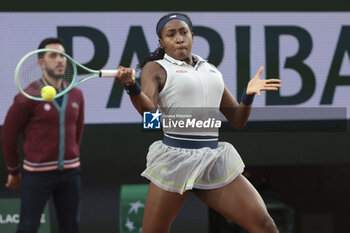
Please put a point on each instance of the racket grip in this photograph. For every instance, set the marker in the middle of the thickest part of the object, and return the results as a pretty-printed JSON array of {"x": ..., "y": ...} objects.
[
  {"x": 112, "y": 73},
  {"x": 108, "y": 73}
]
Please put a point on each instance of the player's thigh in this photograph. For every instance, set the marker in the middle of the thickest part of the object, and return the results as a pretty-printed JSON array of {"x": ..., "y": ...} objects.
[
  {"x": 161, "y": 208},
  {"x": 240, "y": 202}
]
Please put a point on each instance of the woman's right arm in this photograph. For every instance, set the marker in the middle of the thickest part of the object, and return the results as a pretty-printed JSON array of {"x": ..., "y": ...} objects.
[{"x": 152, "y": 80}]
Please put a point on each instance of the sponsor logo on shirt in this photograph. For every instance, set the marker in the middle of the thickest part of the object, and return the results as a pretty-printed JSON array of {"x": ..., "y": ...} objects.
[{"x": 181, "y": 71}]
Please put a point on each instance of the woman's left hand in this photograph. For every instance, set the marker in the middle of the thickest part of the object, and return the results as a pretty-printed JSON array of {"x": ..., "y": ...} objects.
[{"x": 256, "y": 84}]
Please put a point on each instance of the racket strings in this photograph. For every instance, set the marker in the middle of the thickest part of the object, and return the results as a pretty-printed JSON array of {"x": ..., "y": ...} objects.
[{"x": 36, "y": 73}]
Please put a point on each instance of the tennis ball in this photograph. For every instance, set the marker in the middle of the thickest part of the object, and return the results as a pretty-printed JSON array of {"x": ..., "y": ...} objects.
[{"x": 48, "y": 93}]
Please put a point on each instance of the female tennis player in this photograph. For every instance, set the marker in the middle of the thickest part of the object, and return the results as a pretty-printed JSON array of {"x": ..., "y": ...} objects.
[{"x": 173, "y": 78}]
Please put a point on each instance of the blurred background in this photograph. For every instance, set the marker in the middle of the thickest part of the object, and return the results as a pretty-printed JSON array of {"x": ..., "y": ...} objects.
[{"x": 295, "y": 146}]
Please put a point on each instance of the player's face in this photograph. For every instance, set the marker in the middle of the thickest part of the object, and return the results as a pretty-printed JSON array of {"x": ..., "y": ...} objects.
[
  {"x": 54, "y": 64},
  {"x": 177, "y": 40}
]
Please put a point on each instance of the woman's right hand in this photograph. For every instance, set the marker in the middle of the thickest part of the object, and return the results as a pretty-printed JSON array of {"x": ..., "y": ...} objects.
[{"x": 126, "y": 76}]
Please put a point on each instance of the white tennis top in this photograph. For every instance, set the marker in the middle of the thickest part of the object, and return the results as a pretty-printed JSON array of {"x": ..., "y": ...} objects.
[{"x": 194, "y": 92}]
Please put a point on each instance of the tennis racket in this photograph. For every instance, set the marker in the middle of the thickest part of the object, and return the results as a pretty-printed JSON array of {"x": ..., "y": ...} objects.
[{"x": 44, "y": 67}]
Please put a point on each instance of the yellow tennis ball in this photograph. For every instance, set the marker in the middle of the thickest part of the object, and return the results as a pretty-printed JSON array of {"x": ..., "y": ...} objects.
[{"x": 48, "y": 93}]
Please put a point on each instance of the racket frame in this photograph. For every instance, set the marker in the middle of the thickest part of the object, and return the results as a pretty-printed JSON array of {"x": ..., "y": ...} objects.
[{"x": 74, "y": 82}]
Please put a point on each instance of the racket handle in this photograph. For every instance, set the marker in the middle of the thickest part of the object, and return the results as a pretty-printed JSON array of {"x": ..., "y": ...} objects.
[
  {"x": 112, "y": 73},
  {"x": 108, "y": 73}
]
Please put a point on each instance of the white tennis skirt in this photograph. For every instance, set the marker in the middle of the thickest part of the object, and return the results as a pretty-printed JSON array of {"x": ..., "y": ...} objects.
[{"x": 178, "y": 169}]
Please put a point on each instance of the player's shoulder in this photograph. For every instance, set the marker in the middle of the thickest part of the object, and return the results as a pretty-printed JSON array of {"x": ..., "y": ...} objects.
[
  {"x": 21, "y": 99},
  {"x": 153, "y": 69},
  {"x": 152, "y": 66},
  {"x": 33, "y": 89}
]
